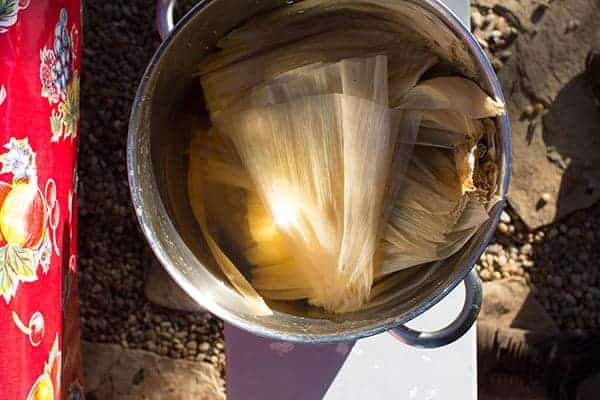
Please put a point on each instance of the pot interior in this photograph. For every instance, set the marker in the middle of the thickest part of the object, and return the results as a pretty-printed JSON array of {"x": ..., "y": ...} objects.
[{"x": 170, "y": 107}]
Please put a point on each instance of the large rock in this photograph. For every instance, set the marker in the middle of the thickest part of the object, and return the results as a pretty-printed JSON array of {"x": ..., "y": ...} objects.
[
  {"x": 557, "y": 154},
  {"x": 112, "y": 372},
  {"x": 509, "y": 303},
  {"x": 161, "y": 289}
]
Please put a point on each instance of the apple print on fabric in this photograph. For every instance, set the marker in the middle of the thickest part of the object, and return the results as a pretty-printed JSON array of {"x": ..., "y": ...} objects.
[{"x": 28, "y": 219}]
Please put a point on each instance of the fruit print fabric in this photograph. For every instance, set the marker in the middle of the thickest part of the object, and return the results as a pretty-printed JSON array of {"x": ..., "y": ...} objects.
[{"x": 40, "y": 49}]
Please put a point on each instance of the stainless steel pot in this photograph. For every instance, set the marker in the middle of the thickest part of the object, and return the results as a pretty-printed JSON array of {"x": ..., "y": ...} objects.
[{"x": 168, "y": 106}]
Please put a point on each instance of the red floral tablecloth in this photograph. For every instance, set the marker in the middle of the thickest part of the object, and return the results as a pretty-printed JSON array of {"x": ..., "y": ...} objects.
[{"x": 40, "y": 58}]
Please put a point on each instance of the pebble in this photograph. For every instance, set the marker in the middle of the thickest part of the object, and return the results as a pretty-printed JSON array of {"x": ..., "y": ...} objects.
[
  {"x": 570, "y": 299},
  {"x": 538, "y": 108},
  {"x": 526, "y": 249},
  {"x": 497, "y": 64},
  {"x": 503, "y": 228},
  {"x": 489, "y": 20},
  {"x": 504, "y": 217},
  {"x": 204, "y": 347},
  {"x": 476, "y": 20},
  {"x": 192, "y": 345},
  {"x": 557, "y": 281},
  {"x": 502, "y": 260},
  {"x": 546, "y": 197},
  {"x": 505, "y": 54},
  {"x": 501, "y": 24},
  {"x": 482, "y": 42},
  {"x": 495, "y": 34},
  {"x": 573, "y": 25},
  {"x": 495, "y": 248}
]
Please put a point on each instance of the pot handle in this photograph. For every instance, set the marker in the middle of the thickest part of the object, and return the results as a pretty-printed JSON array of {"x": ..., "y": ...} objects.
[
  {"x": 164, "y": 17},
  {"x": 452, "y": 332}
]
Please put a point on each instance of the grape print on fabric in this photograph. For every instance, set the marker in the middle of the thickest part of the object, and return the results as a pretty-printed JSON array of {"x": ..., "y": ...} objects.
[
  {"x": 60, "y": 79},
  {"x": 9, "y": 10}
]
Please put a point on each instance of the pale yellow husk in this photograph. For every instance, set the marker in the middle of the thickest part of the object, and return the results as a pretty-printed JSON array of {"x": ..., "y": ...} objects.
[{"x": 316, "y": 110}]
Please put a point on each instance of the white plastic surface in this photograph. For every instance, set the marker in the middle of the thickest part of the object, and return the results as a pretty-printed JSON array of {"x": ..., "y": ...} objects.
[{"x": 382, "y": 368}]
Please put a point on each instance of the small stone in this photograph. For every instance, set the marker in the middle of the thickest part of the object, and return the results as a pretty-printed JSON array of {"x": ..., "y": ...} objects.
[
  {"x": 476, "y": 20},
  {"x": 528, "y": 110},
  {"x": 526, "y": 249},
  {"x": 504, "y": 217},
  {"x": 557, "y": 281},
  {"x": 589, "y": 236},
  {"x": 500, "y": 44},
  {"x": 502, "y": 228},
  {"x": 563, "y": 228},
  {"x": 573, "y": 25},
  {"x": 505, "y": 55},
  {"x": 192, "y": 345},
  {"x": 204, "y": 346},
  {"x": 151, "y": 346},
  {"x": 482, "y": 42},
  {"x": 501, "y": 24},
  {"x": 494, "y": 248},
  {"x": 132, "y": 320},
  {"x": 489, "y": 20},
  {"x": 495, "y": 34},
  {"x": 497, "y": 64},
  {"x": 502, "y": 260},
  {"x": 594, "y": 291},
  {"x": 528, "y": 263},
  {"x": 510, "y": 32},
  {"x": 574, "y": 232},
  {"x": 569, "y": 299},
  {"x": 546, "y": 197},
  {"x": 497, "y": 275},
  {"x": 181, "y": 334}
]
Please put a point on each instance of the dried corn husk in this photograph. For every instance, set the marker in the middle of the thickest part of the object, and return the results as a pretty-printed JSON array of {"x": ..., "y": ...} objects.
[
  {"x": 306, "y": 156},
  {"x": 452, "y": 93},
  {"x": 431, "y": 219},
  {"x": 195, "y": 187},
  {"x": 321, "y": 137}
]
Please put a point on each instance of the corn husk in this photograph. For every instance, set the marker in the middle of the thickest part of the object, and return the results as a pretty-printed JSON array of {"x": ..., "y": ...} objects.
[
  {"x": 305, "y": 153},
  {"x": 431, "y": 218},
  {"x": 452, "y": 93},
  {"x": 312, "y": 137},
  {"x": 235, "y": 277}
]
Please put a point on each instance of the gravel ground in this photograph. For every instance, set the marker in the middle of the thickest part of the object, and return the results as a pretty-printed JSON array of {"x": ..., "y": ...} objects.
[
  {"x": 560, "y": 261},
  {"x": 119, "y": 41},
  {"x": 494, "y": 34}
]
